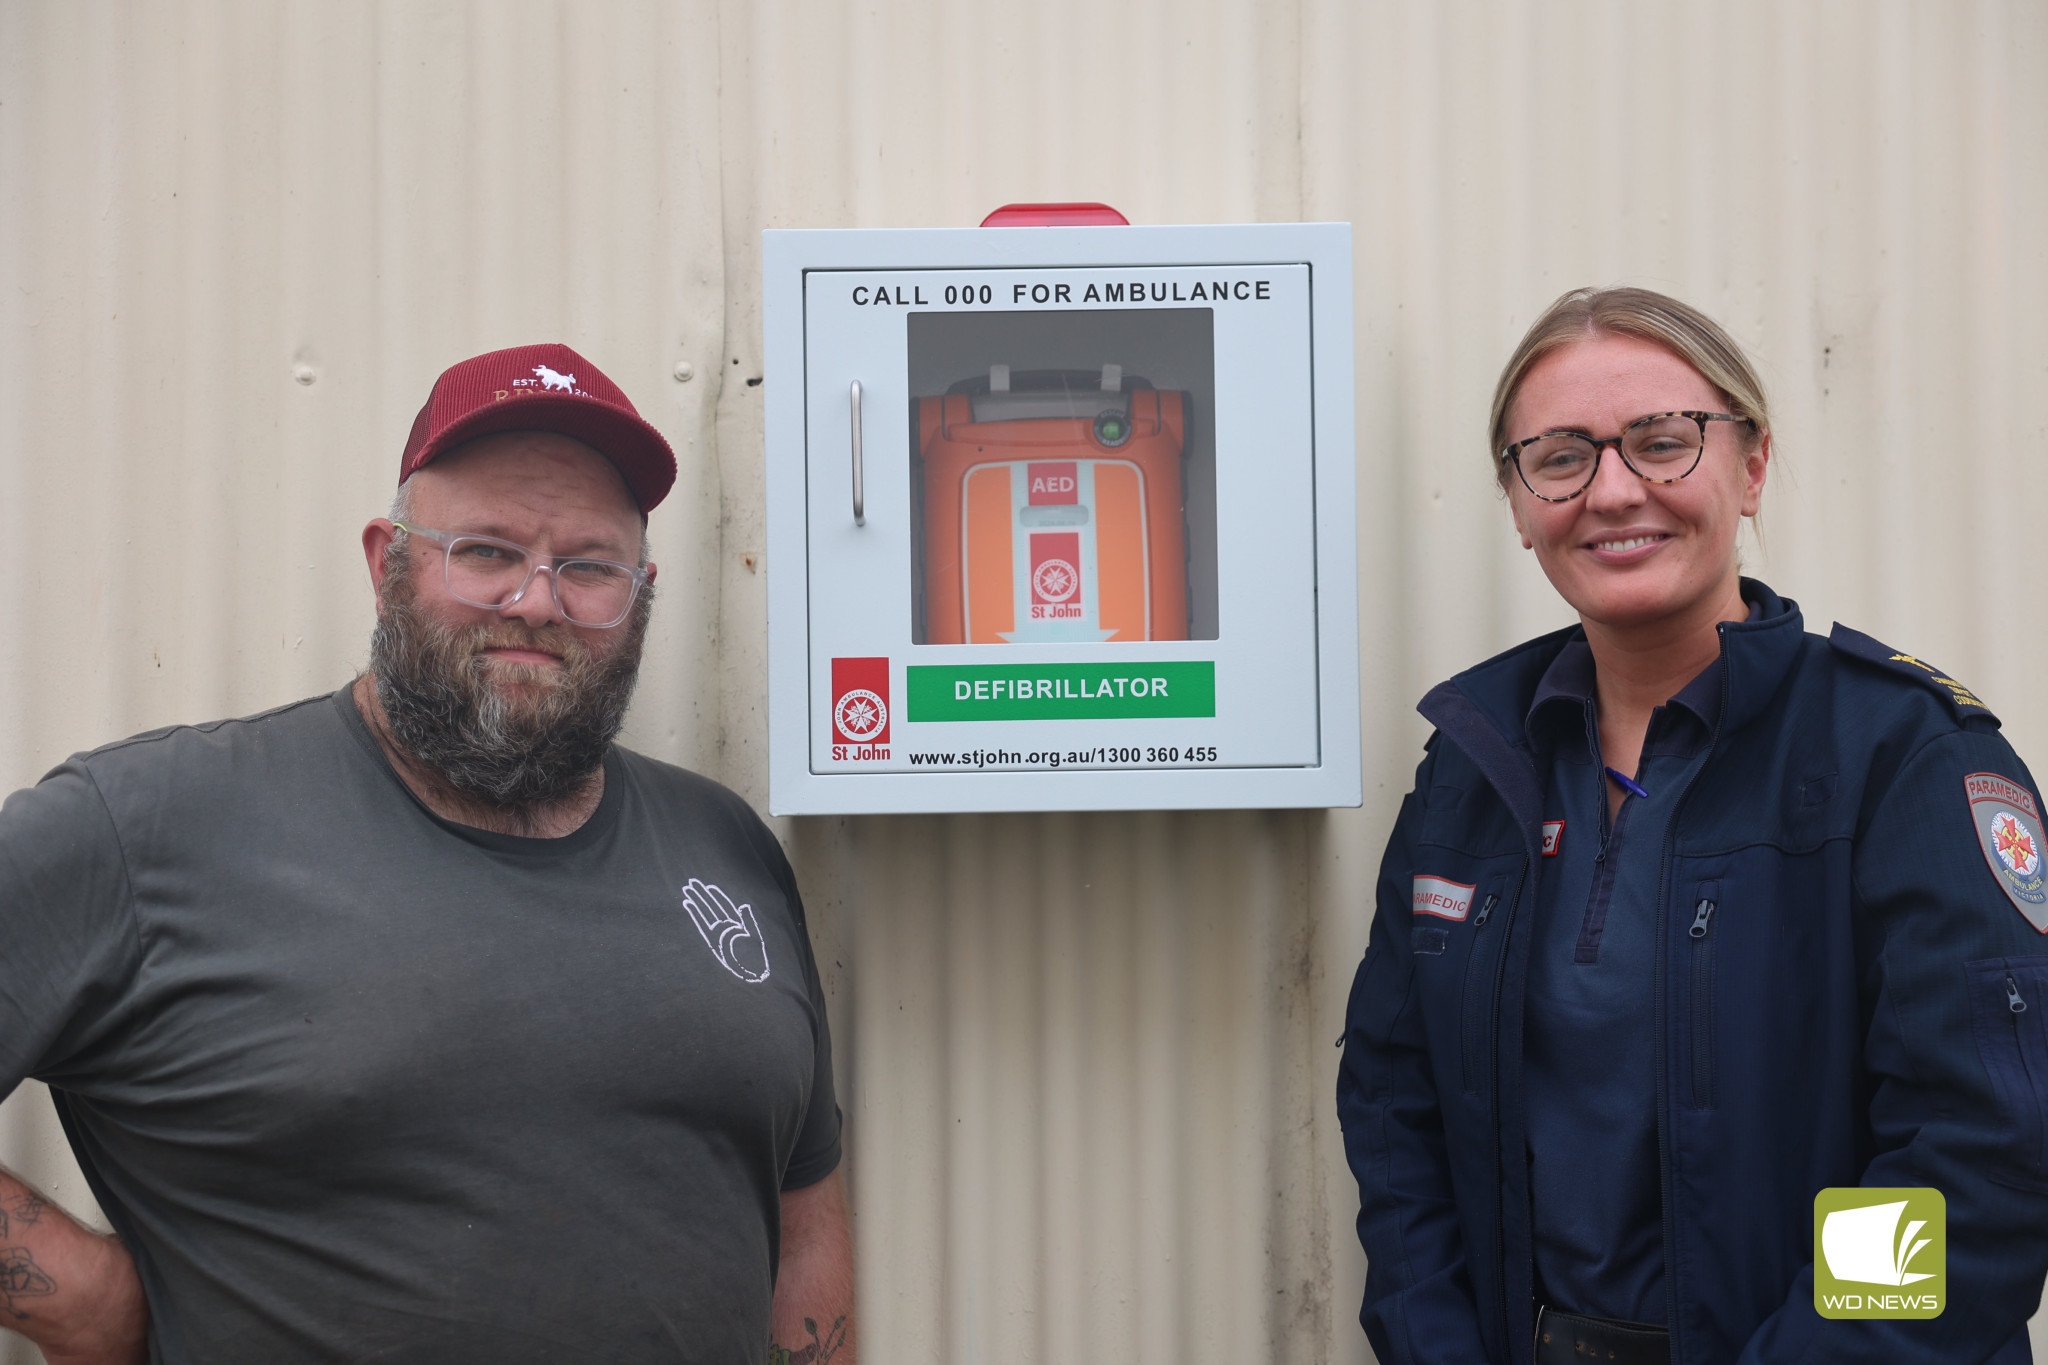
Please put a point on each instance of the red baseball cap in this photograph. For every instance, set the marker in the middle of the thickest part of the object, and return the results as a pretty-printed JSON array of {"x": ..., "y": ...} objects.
[{"x": 541, "y": 388}]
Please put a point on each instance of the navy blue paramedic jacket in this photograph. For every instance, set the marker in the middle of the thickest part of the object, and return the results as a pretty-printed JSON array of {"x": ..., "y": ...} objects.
[{"x": 1847, "y": 1019}]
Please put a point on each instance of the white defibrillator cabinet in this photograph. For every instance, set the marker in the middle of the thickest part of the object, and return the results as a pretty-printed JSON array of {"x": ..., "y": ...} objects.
[{"x": 1060, "y": 518}]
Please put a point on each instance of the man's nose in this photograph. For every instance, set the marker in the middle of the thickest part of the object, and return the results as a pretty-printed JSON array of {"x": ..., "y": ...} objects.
[{"x": 536, "y": 606}]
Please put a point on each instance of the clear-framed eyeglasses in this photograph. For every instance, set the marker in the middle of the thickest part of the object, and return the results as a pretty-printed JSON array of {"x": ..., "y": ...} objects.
[
  {"x": 484, "y": 571},
  {"x": 1663, "y": 447}
]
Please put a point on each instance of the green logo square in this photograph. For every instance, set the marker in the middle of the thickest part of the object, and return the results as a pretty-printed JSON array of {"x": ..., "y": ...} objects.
[{"x": 1880, "y": 1253}]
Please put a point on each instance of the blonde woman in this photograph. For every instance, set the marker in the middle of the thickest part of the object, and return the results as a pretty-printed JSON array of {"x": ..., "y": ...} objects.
[{"x": 1691, "y": 915}]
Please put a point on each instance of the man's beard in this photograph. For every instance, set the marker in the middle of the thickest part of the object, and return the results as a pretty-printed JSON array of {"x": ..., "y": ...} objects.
[{"x": 503, "y": 746}]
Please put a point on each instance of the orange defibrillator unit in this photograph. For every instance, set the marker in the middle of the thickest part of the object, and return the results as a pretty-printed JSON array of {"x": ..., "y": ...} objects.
[{"x": 1053, "y": 508}]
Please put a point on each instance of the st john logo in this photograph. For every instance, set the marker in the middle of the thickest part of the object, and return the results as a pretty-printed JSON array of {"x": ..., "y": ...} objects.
[
  {"x": 1055, "y": 575},
  {"x": 860, "y": 709},
  {"x": 730, "y": 931}
]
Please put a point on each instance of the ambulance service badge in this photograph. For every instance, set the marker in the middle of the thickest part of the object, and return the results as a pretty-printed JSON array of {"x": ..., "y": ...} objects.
[{"x": 2008, "y": 824}]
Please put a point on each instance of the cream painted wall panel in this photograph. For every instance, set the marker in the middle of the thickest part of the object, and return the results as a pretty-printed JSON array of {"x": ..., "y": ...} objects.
[{"x": 1085, "y": 1058}]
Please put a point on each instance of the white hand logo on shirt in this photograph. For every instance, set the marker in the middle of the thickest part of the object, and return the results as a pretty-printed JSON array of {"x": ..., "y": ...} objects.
[{"x": 730, "y": 931}]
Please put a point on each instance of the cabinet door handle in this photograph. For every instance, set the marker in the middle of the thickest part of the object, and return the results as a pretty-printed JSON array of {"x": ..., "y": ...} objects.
[{"x": 860, "y": 496}]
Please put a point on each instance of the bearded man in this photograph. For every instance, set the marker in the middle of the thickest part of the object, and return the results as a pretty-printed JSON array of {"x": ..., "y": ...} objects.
[{"x": 422, "y": 1021}]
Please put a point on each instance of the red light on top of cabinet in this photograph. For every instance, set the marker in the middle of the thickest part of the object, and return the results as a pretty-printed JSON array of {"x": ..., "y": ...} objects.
[{"x": 1055, "y": 215}]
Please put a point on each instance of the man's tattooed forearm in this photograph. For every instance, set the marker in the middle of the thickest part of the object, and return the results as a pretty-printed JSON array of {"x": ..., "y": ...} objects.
[
  {"x": 21, "y": 1278},
  {"x": 26, "y": 1209},
  {"x": 817, "y": 1352}
]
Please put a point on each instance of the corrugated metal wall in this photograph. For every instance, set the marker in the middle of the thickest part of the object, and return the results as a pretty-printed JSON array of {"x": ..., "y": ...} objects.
[{"x": 1087, "y": 1058}]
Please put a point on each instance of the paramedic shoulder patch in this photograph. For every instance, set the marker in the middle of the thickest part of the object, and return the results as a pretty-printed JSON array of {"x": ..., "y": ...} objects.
[
  {"x": 2008, "y": 824},
  {"x": 1960, "y": 698}
]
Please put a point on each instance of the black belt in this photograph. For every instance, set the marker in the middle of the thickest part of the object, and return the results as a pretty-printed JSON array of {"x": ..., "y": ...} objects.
[{"x": 1569, "y": 1339}]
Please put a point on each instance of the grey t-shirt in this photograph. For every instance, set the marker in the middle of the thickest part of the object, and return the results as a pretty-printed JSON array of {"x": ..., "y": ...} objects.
[{"x": 359, "y": 1084}]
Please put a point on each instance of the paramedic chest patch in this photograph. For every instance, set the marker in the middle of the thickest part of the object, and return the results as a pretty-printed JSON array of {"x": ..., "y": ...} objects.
[
  {"x": 2008, "y": 824},
  {"x": 1442, "y": 897}
]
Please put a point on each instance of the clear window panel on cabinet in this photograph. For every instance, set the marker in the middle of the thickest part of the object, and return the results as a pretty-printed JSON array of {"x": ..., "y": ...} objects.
[{"x": 1063, "y": 476}]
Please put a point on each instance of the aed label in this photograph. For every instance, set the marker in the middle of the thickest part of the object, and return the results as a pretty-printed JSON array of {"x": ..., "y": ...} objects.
[
  {"x": 1060, "y": 691},
  {"x": 1054, "y": 484}
]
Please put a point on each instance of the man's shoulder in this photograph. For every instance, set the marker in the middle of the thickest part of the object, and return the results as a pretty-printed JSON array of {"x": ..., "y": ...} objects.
[
  {"x": 685, "y": 791},
  {"x": 675, "y": 798},
  {"x": 203, "y": 745},
  {"x": 673, "y": 778}
]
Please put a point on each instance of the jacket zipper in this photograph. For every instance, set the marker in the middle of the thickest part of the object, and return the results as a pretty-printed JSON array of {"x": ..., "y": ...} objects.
[
  {"x": 1666, "y": 1178},
  {"x": 2016, "y": 1005},
  {"x": 1475, "y": 1015},
  {"x": 1500, "y": 1241},
  {"x": 1702, "y": 1003}
]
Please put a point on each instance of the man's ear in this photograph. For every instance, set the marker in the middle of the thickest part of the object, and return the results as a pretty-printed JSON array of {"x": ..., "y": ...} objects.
[{"x": 377, "y": 537}]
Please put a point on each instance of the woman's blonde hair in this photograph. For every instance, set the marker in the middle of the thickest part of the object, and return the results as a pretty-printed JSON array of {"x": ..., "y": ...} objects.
[{"x": 1678, "y": 327}]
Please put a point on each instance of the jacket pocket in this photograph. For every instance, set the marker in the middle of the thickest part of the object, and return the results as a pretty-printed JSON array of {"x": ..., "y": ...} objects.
[
  {"x": 1706, "y": 901},
  {"x": 1475, "y": 1043},
  {"x": 2009, "y": 1014}
]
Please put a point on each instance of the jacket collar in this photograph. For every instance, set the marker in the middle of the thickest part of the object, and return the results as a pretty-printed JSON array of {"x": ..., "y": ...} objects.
[
  {"x": 1484, "y": 710},
  {"x": 1760, "y": 654}
]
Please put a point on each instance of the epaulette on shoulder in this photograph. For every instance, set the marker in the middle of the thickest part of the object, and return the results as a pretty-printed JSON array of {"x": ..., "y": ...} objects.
[{"x": 1961, "y": 699}]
